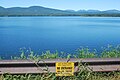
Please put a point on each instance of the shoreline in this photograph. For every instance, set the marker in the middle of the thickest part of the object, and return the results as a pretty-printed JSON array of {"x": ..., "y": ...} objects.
[{"x": 62, "y": 15}]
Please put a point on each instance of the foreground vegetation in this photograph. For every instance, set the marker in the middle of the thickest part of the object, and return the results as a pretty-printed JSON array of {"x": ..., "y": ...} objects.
[
  {"x": 107, "y": 52},
  {"x": 83, "y": 73}
]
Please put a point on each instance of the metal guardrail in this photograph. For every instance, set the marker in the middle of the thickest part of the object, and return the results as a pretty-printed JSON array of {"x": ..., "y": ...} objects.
[{"x": 45, "y": 65}]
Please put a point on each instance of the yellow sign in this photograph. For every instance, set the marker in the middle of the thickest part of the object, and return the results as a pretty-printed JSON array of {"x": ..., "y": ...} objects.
[{"x": 64, "y": 69}]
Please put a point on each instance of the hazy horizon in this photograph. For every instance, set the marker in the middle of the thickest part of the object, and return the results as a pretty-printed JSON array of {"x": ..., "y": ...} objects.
[
  {"x": 59, "y": 9},
  {"x": 65, "y": 4}
]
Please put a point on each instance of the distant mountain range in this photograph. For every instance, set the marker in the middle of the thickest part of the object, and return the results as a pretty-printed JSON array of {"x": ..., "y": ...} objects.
[{"x": 43, "y": 11}]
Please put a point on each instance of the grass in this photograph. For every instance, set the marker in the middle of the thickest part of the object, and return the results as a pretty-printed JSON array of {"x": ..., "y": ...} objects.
[
  {"x": 107, "y": 52},
  {"x": 83, "y": 73}
]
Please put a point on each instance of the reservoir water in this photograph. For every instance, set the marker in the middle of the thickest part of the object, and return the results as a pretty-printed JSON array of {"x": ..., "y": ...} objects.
[{"x": 57, "y": 33}]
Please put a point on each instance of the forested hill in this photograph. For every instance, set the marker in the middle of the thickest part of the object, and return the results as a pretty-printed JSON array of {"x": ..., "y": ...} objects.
[
  {"x": 31, "y": 11},
  {"x": 42, "y": 11}
]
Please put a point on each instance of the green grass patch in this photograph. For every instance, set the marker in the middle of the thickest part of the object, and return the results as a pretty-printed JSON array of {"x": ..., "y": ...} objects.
[{"x": 83, "y": 73}]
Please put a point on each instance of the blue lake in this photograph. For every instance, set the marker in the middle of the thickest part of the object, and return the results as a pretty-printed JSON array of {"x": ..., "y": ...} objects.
[{"x": 57, "y": 33}]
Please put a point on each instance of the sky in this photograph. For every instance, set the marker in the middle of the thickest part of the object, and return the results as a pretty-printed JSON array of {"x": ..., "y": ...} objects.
[{"x": 65, "y": 4}]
